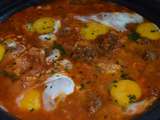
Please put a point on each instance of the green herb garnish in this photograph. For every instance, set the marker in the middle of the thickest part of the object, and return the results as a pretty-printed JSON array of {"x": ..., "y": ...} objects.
[
  {"x": 60, "y": 47},
  {"x": 10, "y": 75},
  {"x": 31, "y": 110},
  {"x": 124, "y": 75},
  {"x": 114, "y": 81},
  {"x": 134, "y": 36},
  {"x": 132, "y": 98}
]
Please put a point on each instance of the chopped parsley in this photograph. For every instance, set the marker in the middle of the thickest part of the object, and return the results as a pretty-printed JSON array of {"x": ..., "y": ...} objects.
[
  {"x": 59, "y": 47},
  {"x": 114, "y": 83},
  {"x": 31, "y": 110},
  {"x": 10, "y": 75},
  {"x": 154, "y": 30},
  {"x": 116, "y": 101},
  {"x": 132, "y": 98},
  {"x": 124, "y": 75},
  {"x": 133, "y": 36}
]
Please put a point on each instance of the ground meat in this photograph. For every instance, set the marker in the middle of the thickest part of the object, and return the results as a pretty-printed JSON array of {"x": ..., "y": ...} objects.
[
  {"x": 65, "y": 32},
  {"x": 100, "y": 47},
  {"x": 30, "y": 59},
  {"x": 106, "y": 44},
  {"x": 36, "y": 58},
  {"x": 155, "y": 92},
  {"x": 28, "y": 66},
  {"x": 150, "y": 55},
  {"x": 84, "y": 53},
  {"x": 94, "y": 103}
]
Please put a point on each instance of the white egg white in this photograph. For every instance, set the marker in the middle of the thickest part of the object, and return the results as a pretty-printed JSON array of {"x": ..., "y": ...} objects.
[
  {"x": 139, "y": 107},
  {"x": 54, "y": 55},
  {"x": 48, "y": 36},
  {"x": 57, "y": 26},
  {"x": 116, "y": 20},
  {"x": 57, "y": 88}
]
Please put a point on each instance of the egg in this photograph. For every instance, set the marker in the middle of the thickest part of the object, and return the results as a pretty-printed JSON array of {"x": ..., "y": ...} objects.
[
  {"x": 47, "y": 27},
  {"x": 93, "y": 29},
  {"x": 51, "y": 36},
  {"x": 2, "y": 51},
  {"x": 58, "y": 86},
  {"x": 44, "y": 25},
  {"x": 115, "y": 20},
  {"x": 125, "y": 92},
  {"x": 57, "y": 26},
  {"x": 48, "y": 37},
  {"x": 54, "y": 55},
  {"x": 29, "y": 100},
  {"x": 149, "y": 30},
  {"x": 140, "y": 106}
]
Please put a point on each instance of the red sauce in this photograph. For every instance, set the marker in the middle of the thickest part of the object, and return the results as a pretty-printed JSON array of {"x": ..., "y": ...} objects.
[{"x": 92, "y": 101}]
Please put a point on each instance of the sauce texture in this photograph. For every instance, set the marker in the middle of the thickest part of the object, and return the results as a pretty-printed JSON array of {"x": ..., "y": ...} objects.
[{"x": 69, "y": 60}]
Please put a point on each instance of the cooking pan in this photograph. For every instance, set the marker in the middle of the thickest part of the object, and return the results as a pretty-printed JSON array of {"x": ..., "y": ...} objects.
[{"x": 150, "y": 9}]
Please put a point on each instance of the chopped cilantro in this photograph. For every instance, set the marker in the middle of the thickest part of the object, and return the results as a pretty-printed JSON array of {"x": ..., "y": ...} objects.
[
  {"x": 115, "y": 85},
  {"x": 116, "y": 101},
  {"x": 133, "y": 36},
  {"x": 124, "y": 75},
  {"x": 31, "y": 110},
  {"x": 132, "y": 98},
  {"x": 10, "y": 75},
  {"x": 59, "y": 47},
  {"x": 114, "y": 81}
]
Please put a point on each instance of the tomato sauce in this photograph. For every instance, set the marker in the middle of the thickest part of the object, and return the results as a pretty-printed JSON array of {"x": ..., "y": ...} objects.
[{"x": 25, "y": 67}]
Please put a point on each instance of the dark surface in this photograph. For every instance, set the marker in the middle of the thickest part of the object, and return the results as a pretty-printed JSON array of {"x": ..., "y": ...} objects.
[
  {"x": 152, "y": 114},
  {"x": 6, "y": 116},
  {"x": 9, "y": 7},
  {"x": 148, "y": 8}
]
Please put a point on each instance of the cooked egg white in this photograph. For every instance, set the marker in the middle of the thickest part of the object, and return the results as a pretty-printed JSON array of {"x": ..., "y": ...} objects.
[
  {"x": 116, "y": 20},
  {"x": 57, "y": 26},
  {"x": 10, "y": 44},
  {"x": 67, "y": 64},
  {"x": 139, "y": 107},
  {"x": 54, "y": 55},
  {"x": 3, "y": 108},
  {"x": 57, "y": 88},
  {"x": 47, "y": 37}
]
